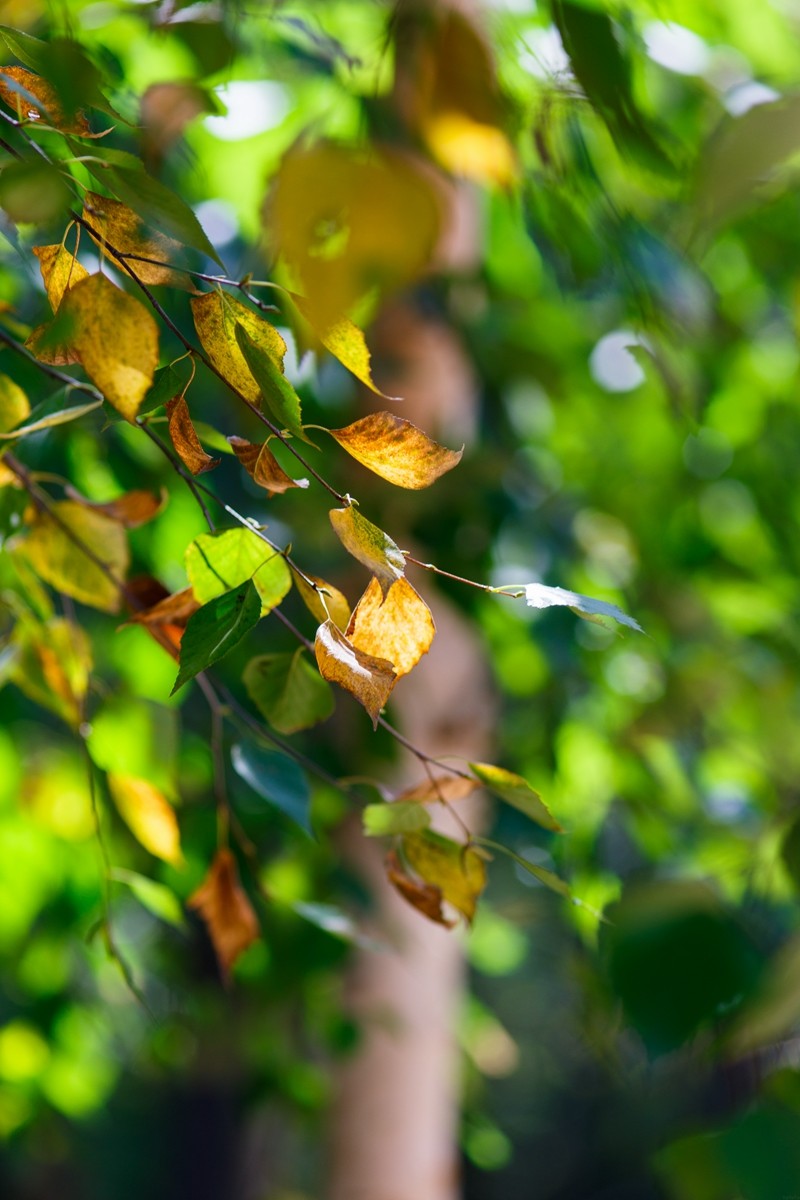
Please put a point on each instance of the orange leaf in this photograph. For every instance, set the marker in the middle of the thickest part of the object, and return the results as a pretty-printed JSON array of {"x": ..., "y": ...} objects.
[
  {"x": 185, "y": 440},
  {"x": 367, "y": 678},
  {"x": 443, "y": 787},
  {"x": 263, "y": 467},
  {"x": 396, "y": 450},
  {"x": 425, "y": 897},
  {"x": 149, "y": 816},
  {"x": 398, "y": 627},
  {"x": 168, "y": 617},
  {"x": 40, "y": 103},
  {"x": 223, "y": 904}
]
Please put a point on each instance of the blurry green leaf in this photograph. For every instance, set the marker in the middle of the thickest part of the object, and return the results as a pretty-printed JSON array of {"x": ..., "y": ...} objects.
[
  {"x": 33, "y": 193},
  {"x": 288, "y": 691},
  {"x": 215, "y": 629},
  {"x": 277, "y": 779},
  {"x": 381, "y": 820},
  {"x": 155, "y": 897},
  {"x": 517, "y": 792}
]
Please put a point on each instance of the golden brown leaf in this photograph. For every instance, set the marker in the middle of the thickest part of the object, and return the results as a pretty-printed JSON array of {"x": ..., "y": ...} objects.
[
  {"x": 216, "y": 315},
  {"x": 458, "y": 871},
  {"x": 398, "y": 627},
  {"x": 131, "y": 510},
  {"x": 331, "y": 604},
  {"x": 396, "y": 450},
  {"x": 444, "y": 787},
  {"x": 425, "y": 897},
  {"x": 149, "y": 816},
  {"x": 263, "y": 467},
  {"x": 228, "y": 914},
  {"x": 167, "y": 618},
  {"x": 367, "y": 678},
  {"x": 185, "y": 440},
  {"x": 112, "y": 223},
  {"x": 369, "y": 544},
  {"x": 116, "y": 339},
  {"x": 60, "y": 271},
  {"x": 41, "y": 102}
]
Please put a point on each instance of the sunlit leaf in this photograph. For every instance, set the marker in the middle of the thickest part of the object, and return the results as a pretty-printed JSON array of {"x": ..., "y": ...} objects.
[
  {"x": 32, "y": 98},
  {"x": 458, "y": 872},
  {"x": 345, "y": 341},
  {"x": 322, "y": 600},
  {"x": 383, "y": 820},
  {"x": 227, "y": 912},
  {"x": 471, "y": 148},
  {"x": 216, "y": 562},
  {"x": 539, "y": 595},
  {"x": 396, "y": 450},
  {"x": 60, "y": 271},
  {"x": 369, "y": 544},
  {"x": 424, "y": 897},
  {"x": 215, "y": 629},
  {"x": 62, "y": 548},
  {"x": 443, "y": 788},
  {"x": 517, "y": 792},
  {"x": 14, "y": 404},
  {"x": 216, "y": 317},
  {"x": 263, "y": 467},
  {"x": 112, "y": 223},
  {"x": 398, "y": 626},
  {"x": 276, "y": 778},
  {"x": 155, "y": 897},
  {"x": 367, "y": 678},
  {"x": 277, "y": 392},
  {"x": 65, "y": 65},
  {"x": 149, "y": 816},
  {"x": 288, "y": 691},
  {"x": 116, "y": 339},
  {"x": 184, "y": 438}
]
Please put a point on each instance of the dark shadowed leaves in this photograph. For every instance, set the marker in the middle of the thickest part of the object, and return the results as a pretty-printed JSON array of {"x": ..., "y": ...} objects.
[
  {"x": 276, "y": 778},
  {"x": 289, "y": 693}
]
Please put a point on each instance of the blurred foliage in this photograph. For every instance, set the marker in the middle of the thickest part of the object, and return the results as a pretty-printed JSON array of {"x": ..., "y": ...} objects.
[{"x": 631, "y": 315}]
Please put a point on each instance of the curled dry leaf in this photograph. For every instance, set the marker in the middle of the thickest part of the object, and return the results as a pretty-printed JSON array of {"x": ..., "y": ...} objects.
[
  {"x": 445, "y": 788},
  {"x": 458, "y": 871},
  {"x": 369, "y": 544},
  {"x": 367, "y": 678},
  {"x": 113, "y": 223},
  {"x": 227, "y": 912},
  {"x": 398, "y": 626},
  {"x": 149, "y": 816},
  {"x": 263, "y": 467},
  {"x": 425, "y": 897},
  {"x": 216, "y": 315},
  {"x": 396, "y": 450},
  {"x": 185, "y": 440},
  {"x": 322, "y": 599},
  {"x": 34, "y": 99}
]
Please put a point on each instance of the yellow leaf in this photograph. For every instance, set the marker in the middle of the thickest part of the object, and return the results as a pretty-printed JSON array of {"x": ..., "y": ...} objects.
[
  {"x": 34, "y": 99},
  {"x": 185, "y": 440},
  {"x": 60, "y": 271},
  {"x": 149, "y": 816},
  {"x": 216, "y": 315},
  {"x": 367, "y": 678},
  {"x": 460, "y": 873},
  {"x": 425, "y": 897},
  {"x": 398, "y": 627},
  {"x": 263, "y": 467},
  {"x": 396, "y": 450},
  {"x": 14, "y": 404},
  {"x": 344, "y": 341},
  {"x": 63, "y": 562},
  {"x": 223, "y": 904},
  {"x": 332, "y": 604},
  {"x": 369, "y": 544},
  {"x": 112, "y": 223},
  {"x": 471, "y": 148},
  {"x": 116, "y": 339},
  {"x": 51, "y": 665}
]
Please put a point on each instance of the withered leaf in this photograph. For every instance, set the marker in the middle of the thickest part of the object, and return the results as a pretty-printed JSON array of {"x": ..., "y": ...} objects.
[
  {"x": 322, "y": 599},
  {"x": 131, "y": 510},
  {"x": 445, "y": 788},
  {"x": 369, "y": 544},
  {"x": 34, "y": 99},
  {"x": 169, "y": 617},
  {"x": 425, "y": 897},
  {"x": 367, "y": 678},
  {"x": 263, "y": 467},
  {"x": 216, "y": 315},
  {"x": 59, "y": 559},
  {"x": 226, "y": 910},
  {"x": 149, "y": 816},
  {"x": 185, "y": 440},
  {"x": 458, "y": 871},
  {"x": 60, "y": 271},
  {"x": 398, "y": 626},
  {"x": 112, "y": 223},
  {"x": 166, "y": 110},
  {"x": 396, "y": 450}
]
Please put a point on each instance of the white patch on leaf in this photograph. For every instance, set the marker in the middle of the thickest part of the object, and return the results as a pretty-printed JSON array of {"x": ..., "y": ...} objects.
[{"x": 539, "y": 595}]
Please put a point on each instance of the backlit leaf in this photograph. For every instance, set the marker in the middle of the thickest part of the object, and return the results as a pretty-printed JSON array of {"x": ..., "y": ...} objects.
[
  {"x": 155, "y": 897},
  {"x": 215, "y": 629},
  {"x": 32, "y": 98},
  {"x": 66, "y": 566},
  {"x": 398, "y": 626},
  {"x": 517, "y": 792},
  {"x": 216, "y": 316},
  {"x": 185, "y": 440},
  {"x": 227, "y": 912},
  {"x": 396, "y": 450},
  {"x": 149, "y": 816},
  {"x": 263, "y": 467},
  {"x": 382, "y": 820},
  {"x": 112, "y": 223},
  {"x": 288, "y": 692},
  {"x": 216, "y": 562},
  {"x": 424, "y": 897},
  {"x": 276, "y": 778},
  {"x": 539, "y": 595},
  {"x": 443, "y": 788},
  {"x": 367, "y": 678},
  {"x": 369, "y": 544},
  {"x": 14, "y": 404},
  {"x": 345, "y": 341},
  {"x": 458, "y": 872},
  {"x": 323, "y": 600},
  {"x": 60, "y": 271},
  {"x": 277, "y": 392},
  {"x": 116, "y": 339}
]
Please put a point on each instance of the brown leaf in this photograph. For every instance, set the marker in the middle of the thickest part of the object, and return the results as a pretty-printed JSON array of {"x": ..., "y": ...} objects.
[
  {"x": 149, "y": 816},
  {"x": 398, "y": 627},
  {"x": 40, "y": 104},
  {"x": 367, "y": 678},
  {"x": 60, "y": 271},
  {"x": 369, "y": 544},
  {"x": 131, "y": 510},
  {"x": 332, "y": 604},
  {"x": 227, "y": 912},
  {"x": 263, "y": 467},
  {"x": 166, "y": 110},
  {"x": 425, "y": 897},
  {"x": 216, "y": 315},
  {"x": 112, "y": 223},
  {"x": 396, "y": 450},
  {"x": 442, "y": 788},
  {"x": 457, "y": 870},
  {"x": 185, "y": 440},
  {"x": 168, "y": 617}
]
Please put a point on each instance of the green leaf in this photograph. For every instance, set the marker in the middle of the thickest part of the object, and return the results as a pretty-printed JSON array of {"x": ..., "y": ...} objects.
[
  {"x": 215, "y": 629},
  {"x": 216, "y": 562},
  {"x": 369, "y": 544},
  {"x": 517, "y": 792},
  {"x": 288, "y": 691},
  {"x": 277, "y": 779},
  {"x": 279, "y": 395},
  {"x": 381, "y": 820},
  {"x": 155, "y": 897},
  {"x": 62, "y": 417}
]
